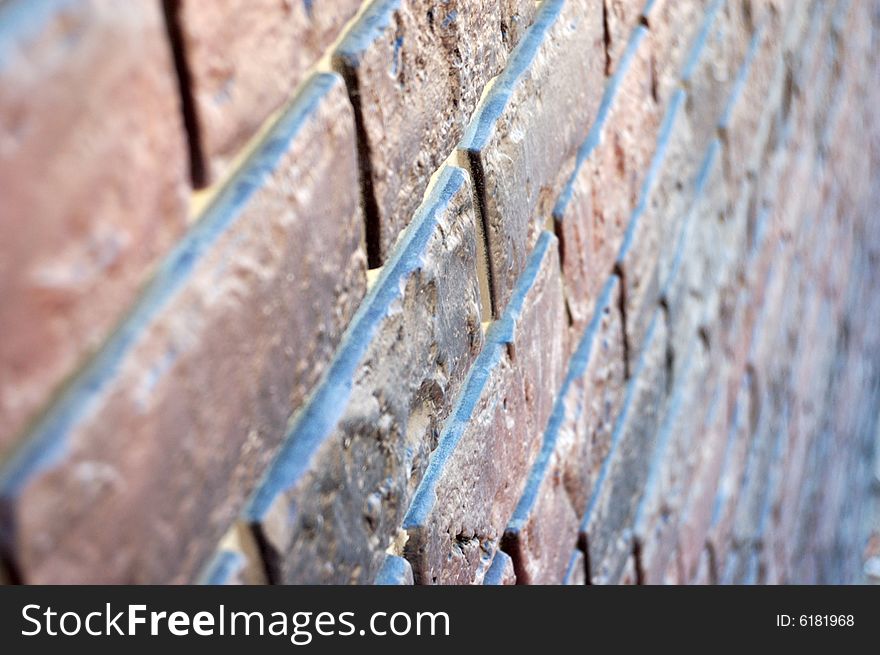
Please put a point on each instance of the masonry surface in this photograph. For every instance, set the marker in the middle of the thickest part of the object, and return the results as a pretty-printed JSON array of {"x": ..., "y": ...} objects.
[{"x": 439, "y": 291}]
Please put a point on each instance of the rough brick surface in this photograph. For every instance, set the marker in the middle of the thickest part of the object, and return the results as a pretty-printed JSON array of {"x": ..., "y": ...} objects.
[
  {"x": 92, "y": 180},
  {"x": 520, "y": 154},
  {"x": 244, "y": 58},
  {"x": 232, "y": 334},
  {"x": 482, "y": 292}
]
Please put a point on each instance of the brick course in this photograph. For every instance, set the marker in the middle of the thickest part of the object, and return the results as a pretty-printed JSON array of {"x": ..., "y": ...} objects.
[{"x": 491, "y": 292}]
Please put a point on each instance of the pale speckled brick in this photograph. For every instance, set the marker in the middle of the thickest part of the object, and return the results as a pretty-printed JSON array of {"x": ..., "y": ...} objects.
[
  {"x": 92, "y": 180},
  {"x": 477, "y": 473},
  {"x": 415, "y": 70},
  {"x": 590, "y": 220},
  {"x": 520, "y": 153},
  {"x": 244, "y": 59},
  {"x": 620, "y": 18},
  {"x": 228, "y": 339},
  {"x": 544, "y": 525},
  {"x": 607, "y": 527},
  {"x": 332, "y": 502}
]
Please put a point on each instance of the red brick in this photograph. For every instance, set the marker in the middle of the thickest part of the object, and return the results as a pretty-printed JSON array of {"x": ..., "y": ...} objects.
[
  {"x": 477, "y": 473},
  {"x": 92, "y": 181},
  {"x": 607, "y": 526},
  {"x": 244, "y": 59},
  {"x": 331, "y": 504},
  {"x": 415, "y": 70},
  {"x": 229, "y": 338},
  {"x": 590, "y": 219},
  {"x": 520, "y": 153}
]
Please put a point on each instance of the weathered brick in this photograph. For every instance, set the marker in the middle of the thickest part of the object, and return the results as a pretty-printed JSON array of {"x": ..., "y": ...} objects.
[
  {"x": 395, "y": 571},
  {"x": 232, "y": 333},
  {"x": 608, "y": 523},
  {"x": 671, "y": 468},
  {"x": 590, "y": 220},
  {"x": 92, "y": 181},
  {"x": 620, "y": 18},
  {"x": 519, "y": 151},
  {"x": 415, "y": 70},
  {"x": 668, "y": 187},
  {"x": 713, "y": 65},
  {"x": 477, "y": 473},
  {"x": 237, "y": 560},
  {"x": 332, "y": 502},
  {"x": 243, "y": 59},
  {"x": 501, "y": 571}
]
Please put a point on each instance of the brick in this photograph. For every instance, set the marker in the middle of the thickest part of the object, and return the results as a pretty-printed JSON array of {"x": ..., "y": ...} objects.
[
  {"x": 244, "y": 59},
  {"x": 202, "y": 377},
  {"x": 712, "y": 66},
  {"x": 501, "y": 571},
  {"x": 415, "y": 70},
  {"x": 675, "y": 25},
  {"x": 332, "y": 502},
  {"x": 236, "y": 562},
  {"x": 642, "y": 261},
  {"x": 620, "y": 18},
  {"x": 576, "y": 573},
  {"x": 520, "y": 153},
  {"x": 629, "y": 576},
  {"x": 705, "y": 574},
  {"x": 545, "y": 522},
  {"x": 607, "y": 527},
  {"x": 591, "y": 221},
  {"x": 477, "y": 473},
  {"x": 395, "y": 571},
  {"x": 93, "y": 182},
  {"x": 672, "y": 464}
]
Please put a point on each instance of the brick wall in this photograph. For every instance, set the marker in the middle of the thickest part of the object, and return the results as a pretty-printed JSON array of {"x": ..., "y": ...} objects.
[{"x": 423, "y": 291}]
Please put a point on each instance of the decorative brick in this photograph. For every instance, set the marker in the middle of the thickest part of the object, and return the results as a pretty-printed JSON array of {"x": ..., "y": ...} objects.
[{"x": 501, "y": 571}]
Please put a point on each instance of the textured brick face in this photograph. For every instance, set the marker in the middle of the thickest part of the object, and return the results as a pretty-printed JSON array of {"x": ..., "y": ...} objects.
[
  {"x": 406, "y": 355},
  {"x": 244, "y": 58},
  {"x": 92, "y": 180},
  {"x": 234, "y": 333},
  {"x": 477, "y": 292}
]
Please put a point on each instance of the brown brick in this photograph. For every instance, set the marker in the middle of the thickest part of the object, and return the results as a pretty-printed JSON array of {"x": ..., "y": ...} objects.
[
  {"x": 92, "y": 181},
  {"x": 590, "y": 219},
  {"x": 415, "y": 70},
  {"x": 675, "y": 25},
  {"x": 607, "y": 526},
  {"x": 332, "y": 503},
  {"x": 501, "y": 570},
  {"x": 477, "y": 473},
  {"x": 520, "y": 153},
  {"x": 228, "y": 339},
  {"x": 244, "y": 59}
]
